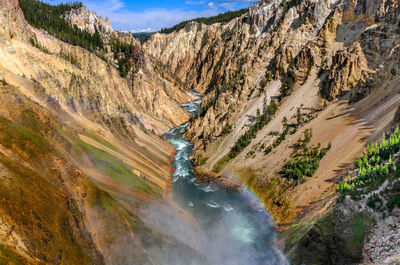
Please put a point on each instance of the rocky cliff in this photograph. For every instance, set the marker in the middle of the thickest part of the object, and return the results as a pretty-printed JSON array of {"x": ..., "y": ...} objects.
[
  {"x": 80, "y": 152},
  {"x": 330, "y": 68},
  {"x": 293, "y": 92},
  {"x": 87, "y": 20}
]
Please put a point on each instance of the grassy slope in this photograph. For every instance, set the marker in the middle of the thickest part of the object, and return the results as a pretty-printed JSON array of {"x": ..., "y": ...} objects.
[
  {"x": 9, "y": 257},
  {"x": 38, "y": 199},
  {"x": 113, "y": 167},
  {"x": 40, "y": 213}
]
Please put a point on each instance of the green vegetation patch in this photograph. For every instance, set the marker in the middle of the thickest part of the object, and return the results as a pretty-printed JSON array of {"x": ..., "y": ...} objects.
[
  {"x": 31, "y": 120},
  {"x": 372, "y": 169},
  {"x": 306, "y": 162},
  {"x": 115, "y": 168},
  {"x": 221, "y": 163},
  {"x": 280, "y": 138},
  {"x": 105, "y": 143},
  {"x": 7, "y": 257},
  {"x": 70, "y": 58},
  {"x": 51, "y": 18},
  {"x": 290, "y": 3},
  {"x": 393, "y": 202},
  {"x": 107, "y": 202},
  {"x": 122, "y": 53},
  {"x": 203, "y": 161},
  {"x": 360, "y": 226},
  {"x": 37, "y": 45},
  {"x": 42, "y": 213},
  {"x": 244, "y": 140},
  {"x": 288, "y": 84},
  {"x": 13, "y": 135},
  {"x": 333, "y": 239},
  {"x": 290, "y": 129},
  {"x": 227, "y": 129}
]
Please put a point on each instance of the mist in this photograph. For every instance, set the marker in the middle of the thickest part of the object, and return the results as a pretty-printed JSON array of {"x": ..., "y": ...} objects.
[
  {"x": 223, "y": 226},
  {"x": 221, "y": 232}
]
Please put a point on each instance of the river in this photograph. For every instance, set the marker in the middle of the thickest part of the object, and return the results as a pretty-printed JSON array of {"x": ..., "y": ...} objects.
[{"x": 235, "y": 228}]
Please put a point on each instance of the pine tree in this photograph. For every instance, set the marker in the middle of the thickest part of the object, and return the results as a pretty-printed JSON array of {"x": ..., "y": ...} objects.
[{"x": 299, "y": 117}]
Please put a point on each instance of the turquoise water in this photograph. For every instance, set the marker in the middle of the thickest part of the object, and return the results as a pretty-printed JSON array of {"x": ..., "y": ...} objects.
[{"x": 235, "y": 229}]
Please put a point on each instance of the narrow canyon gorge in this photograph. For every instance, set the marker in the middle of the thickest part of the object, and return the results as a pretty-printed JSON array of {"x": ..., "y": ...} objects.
[{"x": 259, "y": 137}]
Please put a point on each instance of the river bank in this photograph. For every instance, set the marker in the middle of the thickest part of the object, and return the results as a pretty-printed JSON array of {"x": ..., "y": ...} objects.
[{"x": 234, "y": 227}]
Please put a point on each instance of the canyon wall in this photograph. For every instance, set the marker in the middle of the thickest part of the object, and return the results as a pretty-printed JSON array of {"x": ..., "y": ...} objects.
[
  {"x": 81, "y": 157},
  {"x": 332, "y": 69},
  {"x": 285, "y": 77}
]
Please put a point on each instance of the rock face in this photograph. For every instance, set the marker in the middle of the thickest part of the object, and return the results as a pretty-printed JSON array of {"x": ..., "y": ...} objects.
[
  {"x": 304, "y": 55},
  {"x": 348, "y": 72},
  {"x": 332, "y": 241},
  {"x": 275, "y": 37},
  {"x": 270, "y": 34},
  {"x": 80, "y": 152},
  {"x": 76, "y": 133},
  {"x": 13, "y": 25},
  {"x": 150, "y": 96},
  {"x": 89, "y": 21}
]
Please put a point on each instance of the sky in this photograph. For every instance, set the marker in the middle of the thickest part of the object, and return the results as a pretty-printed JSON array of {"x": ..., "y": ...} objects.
[{"x": 152, "y": 15}]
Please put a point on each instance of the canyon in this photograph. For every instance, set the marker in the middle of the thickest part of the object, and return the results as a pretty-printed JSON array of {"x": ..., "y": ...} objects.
[{"x": 87, "y": 175}]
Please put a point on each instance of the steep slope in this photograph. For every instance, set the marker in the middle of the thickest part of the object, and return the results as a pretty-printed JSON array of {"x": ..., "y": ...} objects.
[
  {"x": 293, "y": 92},
  {"x": 80, "y": 155},
  {"x": 330, "y": 70},
  {"x": 155, "y": 93}
]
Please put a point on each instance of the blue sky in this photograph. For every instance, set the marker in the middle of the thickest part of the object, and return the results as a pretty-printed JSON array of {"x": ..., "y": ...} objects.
[{"x": 152, "y": 15}]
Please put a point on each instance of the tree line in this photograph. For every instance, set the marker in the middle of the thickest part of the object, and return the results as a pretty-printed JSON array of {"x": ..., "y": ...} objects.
[
  {"x": 221, "y": 18},
  {"x": 374, "y": 167},
  {"x": 51, "y": 19},
  {"x": 370, "y": 172}
]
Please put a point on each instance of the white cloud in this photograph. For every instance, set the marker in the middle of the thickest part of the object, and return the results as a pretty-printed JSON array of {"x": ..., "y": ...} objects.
[
  {"x": 194, "y": 2},
  {"x": 232, "y": 4},
  {"x": 157, "y": 18},
  {"x": 151, "y": 18}
]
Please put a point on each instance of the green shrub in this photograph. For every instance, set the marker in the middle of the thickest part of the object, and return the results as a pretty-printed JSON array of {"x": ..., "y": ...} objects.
[
  {"x": 304, "y": 164},
  {"x": 122, "y": 53},
  {"x": 280, "y": 138},
  {"x": 203, "y": 161},
  {"x": 3, "y": 82},
  {"x": 394, "y": 202},
  {"x": 373, "y": 200},
  {"x": 70, "y": 58},
  {"x": 245, "y": 139},
  {"x": 37, "y": 45},
  {"x": 291, "y": 3},
  {"x": 227, "y": 129},
  {"x": 374, "y": 167},
  {"x": 288, "y": 84}
]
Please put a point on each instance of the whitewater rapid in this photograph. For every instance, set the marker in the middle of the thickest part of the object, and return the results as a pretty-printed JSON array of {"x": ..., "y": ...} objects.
[{"x": 235, "y": 229}]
